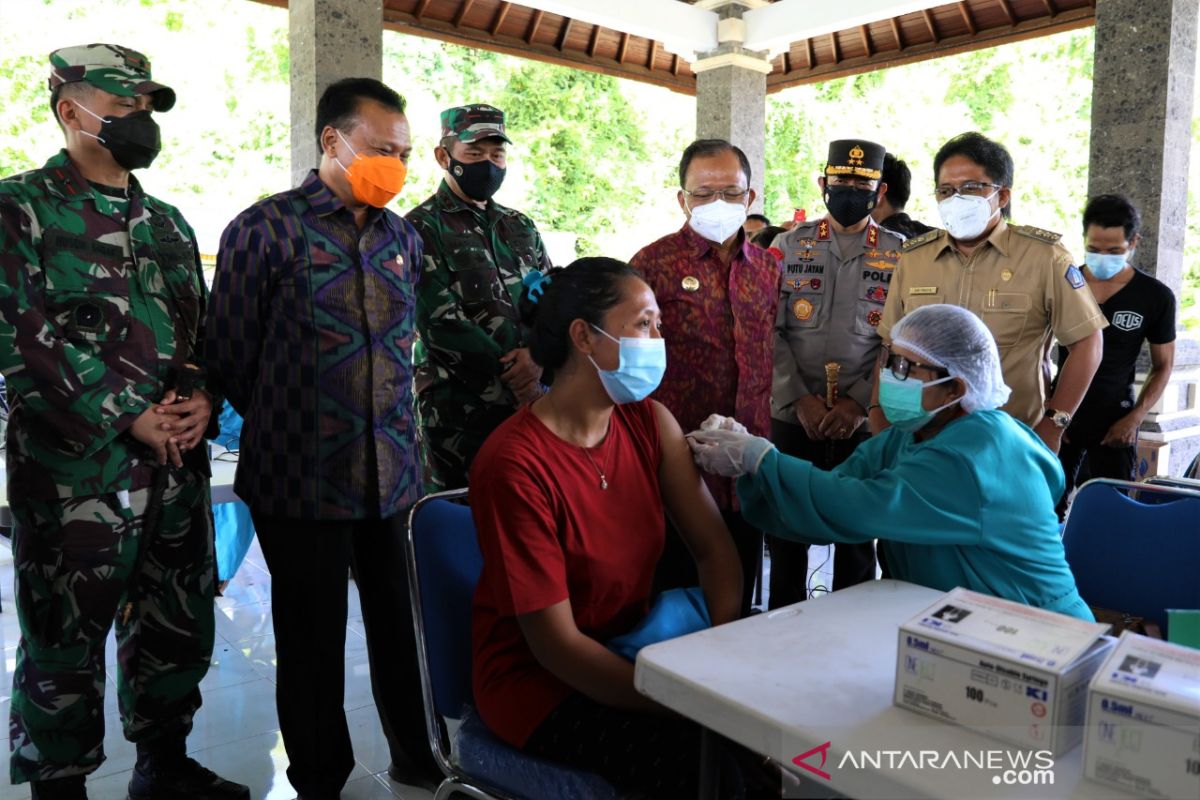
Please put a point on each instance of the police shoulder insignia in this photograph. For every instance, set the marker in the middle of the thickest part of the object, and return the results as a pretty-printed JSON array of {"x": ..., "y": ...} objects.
[
  {"x": 924, "y": 238},
  {"x": 1075, "y": 277},
  {"x": 1049, "y": 237}
]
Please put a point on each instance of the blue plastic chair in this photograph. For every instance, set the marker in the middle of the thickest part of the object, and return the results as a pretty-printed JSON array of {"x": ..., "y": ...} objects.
[
  {"x": 444, "y": 563},
  {"x": 1131, "y": 555}
]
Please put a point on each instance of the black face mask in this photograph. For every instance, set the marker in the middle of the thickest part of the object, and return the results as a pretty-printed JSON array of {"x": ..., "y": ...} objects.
[
  {"x": 478, "y": 181},
  {"x": 849, "y": 205},
  {"x": 134, "y": 139}
]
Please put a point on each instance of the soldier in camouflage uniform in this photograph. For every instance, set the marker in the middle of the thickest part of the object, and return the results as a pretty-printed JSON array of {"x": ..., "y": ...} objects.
[
  {"x": 472, "y": 363},
  {"x": 101, "y": 306}
]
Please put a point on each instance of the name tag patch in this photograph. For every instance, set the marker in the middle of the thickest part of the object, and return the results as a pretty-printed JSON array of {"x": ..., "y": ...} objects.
[{"x": 923, "y": 290}]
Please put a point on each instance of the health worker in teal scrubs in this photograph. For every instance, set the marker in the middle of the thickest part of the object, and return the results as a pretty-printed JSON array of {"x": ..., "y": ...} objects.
[{"x": 958, "y": 492}]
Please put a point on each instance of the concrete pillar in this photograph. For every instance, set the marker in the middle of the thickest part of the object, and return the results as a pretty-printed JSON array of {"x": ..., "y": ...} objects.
[
  {"x": 1143, "y": 80},
  {"x": 1145, "y": 68},
  {"x": 731, "y": 104},
  {"x": 329, "y": 40},
  {"x": 731, "y": 90}
]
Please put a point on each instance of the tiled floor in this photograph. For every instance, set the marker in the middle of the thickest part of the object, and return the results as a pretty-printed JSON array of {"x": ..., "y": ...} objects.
[{"x": 236, "y": 731}]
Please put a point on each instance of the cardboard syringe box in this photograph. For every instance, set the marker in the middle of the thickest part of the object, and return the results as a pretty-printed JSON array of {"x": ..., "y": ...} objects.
[
  {"x": 1004, "y": 669},
  {"x": 1143, "y": 719}
]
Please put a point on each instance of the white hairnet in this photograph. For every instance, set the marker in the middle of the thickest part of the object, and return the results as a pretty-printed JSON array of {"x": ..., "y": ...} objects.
[{"x": 954, "y": 338}]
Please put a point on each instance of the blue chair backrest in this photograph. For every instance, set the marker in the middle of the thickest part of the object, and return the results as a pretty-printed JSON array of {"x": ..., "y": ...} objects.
[
  {"x": 1132, "y": 556},
  {"x": 447, "y": 563}
]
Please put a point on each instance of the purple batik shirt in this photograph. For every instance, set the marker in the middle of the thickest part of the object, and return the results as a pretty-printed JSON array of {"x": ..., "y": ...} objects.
[{"x": 310, "y": 332}]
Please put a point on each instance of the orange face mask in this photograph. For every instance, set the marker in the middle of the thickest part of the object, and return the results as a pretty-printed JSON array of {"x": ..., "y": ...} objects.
[{"x": 374, "y": 180}]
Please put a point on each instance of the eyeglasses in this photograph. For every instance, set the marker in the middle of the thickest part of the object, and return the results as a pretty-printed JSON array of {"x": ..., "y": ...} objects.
[
  {"x": 901, "y": 366},
  {"x": 968, "y": 189},
  {"x": 730, "y": 195}
]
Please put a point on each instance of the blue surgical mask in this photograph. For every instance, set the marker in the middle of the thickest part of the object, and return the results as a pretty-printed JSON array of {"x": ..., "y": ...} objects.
[
  {"x": 1105, "y": 266},
  {"x": 639, "y": 371},
  {"x": 901, "y": 401}
]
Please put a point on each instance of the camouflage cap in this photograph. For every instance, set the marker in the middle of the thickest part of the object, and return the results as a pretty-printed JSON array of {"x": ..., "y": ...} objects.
[
  {"x": 473, "y": 122},
  {"x": 115, "y": 69}
]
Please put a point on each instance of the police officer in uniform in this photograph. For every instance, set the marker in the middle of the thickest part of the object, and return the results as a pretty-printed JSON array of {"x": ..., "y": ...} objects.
[
  {"x": 1020, "y": 280},
  {"x": 472, "y": 363},
  {"x": 837, "y": 270},
  {"x": 101, "y": 309}
]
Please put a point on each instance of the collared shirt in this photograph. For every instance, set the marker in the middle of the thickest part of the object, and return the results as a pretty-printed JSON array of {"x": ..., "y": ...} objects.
[
  {"x": 100, "y": 301},
  {"x": 717, "y": 322},
  {"x": 1021, "y": 282},
  {"x": 311, "y": 333},
  {"x": 831, "y": 302},
  {"x": 467, "y": 314}
]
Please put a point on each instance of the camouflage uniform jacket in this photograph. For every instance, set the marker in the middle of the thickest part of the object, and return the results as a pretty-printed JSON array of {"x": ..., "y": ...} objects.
[
  {"x": 467, "y": 305},
  {"x": 96, "y": 310}
]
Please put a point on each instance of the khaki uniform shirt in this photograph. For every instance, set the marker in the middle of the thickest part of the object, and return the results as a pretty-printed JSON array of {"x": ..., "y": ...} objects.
[
  {"x": 831, "y": 303},
  {"x": 1021, "y": 282}
]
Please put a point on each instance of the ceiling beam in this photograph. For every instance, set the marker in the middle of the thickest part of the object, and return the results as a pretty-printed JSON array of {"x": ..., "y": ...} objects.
[
  {"x": 929, "y": 23},
  {"x": 566, "y": 31},
  {"x": 1008, "y": 12},
  {"x": 866, "y": 39},
  {"x": 834, "y": 47},
  {"x": 1068, "y": 20},
  {"x": 622, "y": 48},
  {"x": 966, "y": 15},
  {"x": 896, "y": 33},
  {"x": 681, "y": 27},
  {"x": 501, "y": 15},
  {"x": 594, "y": 41},
  {"x": 653, "y": 54},
  {"x": 462, "y": 12},
  {"x": 534, "y": 24},
  {"x": 775, "y": 26},
  {"x": 514, "y": 44}
]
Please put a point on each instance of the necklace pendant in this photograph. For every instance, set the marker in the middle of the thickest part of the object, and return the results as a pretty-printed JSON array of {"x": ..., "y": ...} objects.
[{"x": 603, "y": 482}]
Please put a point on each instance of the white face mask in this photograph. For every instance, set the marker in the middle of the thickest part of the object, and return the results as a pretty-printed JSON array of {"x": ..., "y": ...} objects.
[
  {"x": 718, "y": 220},
  {"x": 967, "y": 217}
]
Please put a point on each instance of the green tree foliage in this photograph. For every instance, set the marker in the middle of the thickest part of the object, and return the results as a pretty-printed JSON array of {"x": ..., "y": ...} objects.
[
  {"x": 587, "y": 143},
  {"x": 984, "y": 85}
]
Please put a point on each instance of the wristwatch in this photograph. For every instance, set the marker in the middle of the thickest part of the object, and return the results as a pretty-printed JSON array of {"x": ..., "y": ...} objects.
[{"x": 1061, "y": 419}]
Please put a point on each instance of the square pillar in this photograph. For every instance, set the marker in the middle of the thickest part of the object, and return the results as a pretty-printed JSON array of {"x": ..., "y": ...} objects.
[
  {"x": 329, "y": 40},
  {"x": 1145, "y": 68},
  {"x": 731, "y": 104},
  {"x": 1143, "y": 79}
]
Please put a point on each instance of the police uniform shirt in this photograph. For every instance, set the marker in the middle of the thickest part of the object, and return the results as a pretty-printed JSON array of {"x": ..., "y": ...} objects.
[
  {"x": 1021, "y": 282},
  {"x": 831, "y": 302}
]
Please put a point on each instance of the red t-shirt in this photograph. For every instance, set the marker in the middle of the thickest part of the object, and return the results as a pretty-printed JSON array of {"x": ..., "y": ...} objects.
[{"x": 548, "y": 533}]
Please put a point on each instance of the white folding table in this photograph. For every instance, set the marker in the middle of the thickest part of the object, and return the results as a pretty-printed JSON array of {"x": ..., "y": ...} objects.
[{"x": 784, "y": 682}]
